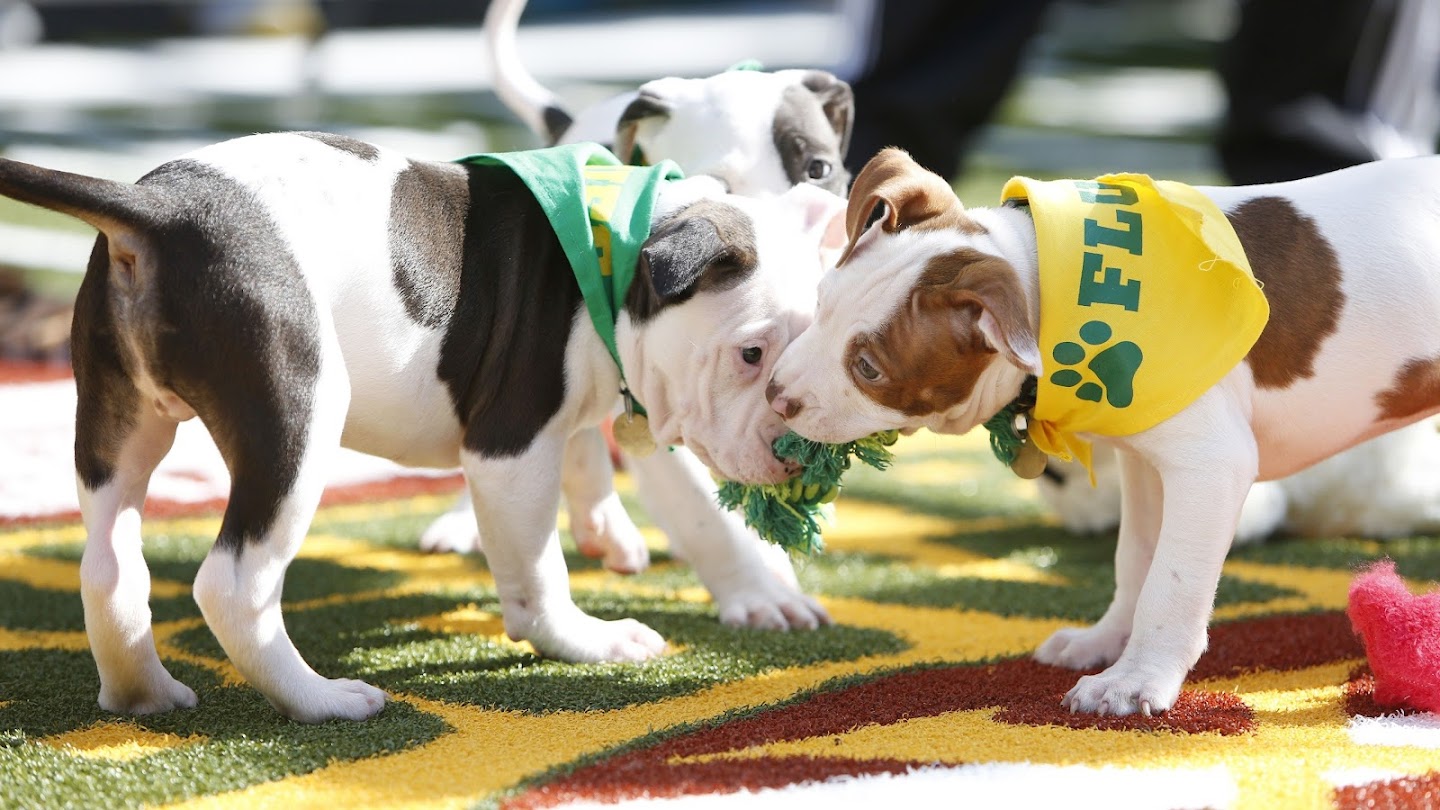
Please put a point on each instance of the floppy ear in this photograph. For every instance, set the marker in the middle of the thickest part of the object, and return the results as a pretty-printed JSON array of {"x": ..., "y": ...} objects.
[
  {"x": 836, "y": 101},
  {"x": 708, "y": 246},
  {"x": 967, "y": 281},
  {"x": 646, "y": 105},
  {"x": 822, "y": 214},
  {"x": 911, "y": 195}
]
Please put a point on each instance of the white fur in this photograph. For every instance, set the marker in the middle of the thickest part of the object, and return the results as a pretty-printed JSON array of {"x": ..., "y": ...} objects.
[
  {"x": 1195, "y": 468},
  {"x": 719, "y": 126},
  {"x": 378, "y": 391},
  {"x": 1386, "y": 487}
]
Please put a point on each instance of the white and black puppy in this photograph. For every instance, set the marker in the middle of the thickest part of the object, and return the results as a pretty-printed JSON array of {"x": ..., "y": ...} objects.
[
  {"x": 934, "y": 321},
  {"x": 761, "y": 133},
  {"x": 302, "y": 291}
]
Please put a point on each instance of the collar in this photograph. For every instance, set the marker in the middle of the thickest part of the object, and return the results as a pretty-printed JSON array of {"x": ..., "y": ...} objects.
[{"x": 600, "y": 209}]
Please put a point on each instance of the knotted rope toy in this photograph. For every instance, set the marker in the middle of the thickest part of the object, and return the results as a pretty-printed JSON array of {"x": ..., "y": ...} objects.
[{"x": 785, "y": 513}]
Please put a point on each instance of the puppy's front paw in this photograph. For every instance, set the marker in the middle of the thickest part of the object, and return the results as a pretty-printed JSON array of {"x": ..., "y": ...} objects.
[
  {"x": 323, "y": 699},
  {"x": 1124, "y": 689},
  {"x": 606, "y": 530},
  {"x": 582, "y": 638},
  {"x": 162, "y": 695},
  {"x": 769, "y": 603},
  {"x": 1083, "y": 647},
  {"x": 453, "y": 532}
]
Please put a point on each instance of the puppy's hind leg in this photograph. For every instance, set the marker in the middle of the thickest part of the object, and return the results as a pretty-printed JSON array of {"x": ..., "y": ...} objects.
[
  {"x": 276, "y": 441},
  {"x": 1101, "y": 644},
  {"x": 598, "y": 520},
  {"x": 454, "y": 531},
  {"x": 119, "y": 440}
]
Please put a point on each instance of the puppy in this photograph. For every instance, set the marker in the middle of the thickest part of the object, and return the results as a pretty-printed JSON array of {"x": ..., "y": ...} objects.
[
  {"x": 761, "y": 133},
  {"x": 933, "y": 319},
  {"x": 1083, "y": 508},
  {"x": 1385, "y": 488},
  {"x": 301, "y": 291}
]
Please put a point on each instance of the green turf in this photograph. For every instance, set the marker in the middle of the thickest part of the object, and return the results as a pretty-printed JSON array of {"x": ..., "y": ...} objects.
[{"x": 345, "y": 628}]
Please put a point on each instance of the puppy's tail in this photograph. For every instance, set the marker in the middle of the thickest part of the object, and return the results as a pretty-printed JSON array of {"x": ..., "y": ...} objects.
[
  {"x": 107, "y": 205},
  {"x": 535, "y": 105}
]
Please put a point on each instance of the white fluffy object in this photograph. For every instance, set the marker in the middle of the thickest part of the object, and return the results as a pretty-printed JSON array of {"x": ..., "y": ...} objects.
[{"x": 1387, "y": 487}]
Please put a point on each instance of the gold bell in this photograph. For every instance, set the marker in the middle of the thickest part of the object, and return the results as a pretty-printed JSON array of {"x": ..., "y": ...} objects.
[
  {"x": 632, "y": 430},
  {"x": 1029, "y": 463}
]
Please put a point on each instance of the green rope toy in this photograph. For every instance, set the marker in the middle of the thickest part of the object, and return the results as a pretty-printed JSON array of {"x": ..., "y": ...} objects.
[{"x": 785, "y": 513}]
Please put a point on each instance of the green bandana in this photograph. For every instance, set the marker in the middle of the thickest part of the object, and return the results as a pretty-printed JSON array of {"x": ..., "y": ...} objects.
[{"x": 600, "y": 209}]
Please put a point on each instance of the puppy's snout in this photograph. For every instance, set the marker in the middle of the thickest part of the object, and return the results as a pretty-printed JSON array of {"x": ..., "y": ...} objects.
[{"x": 783, "y": 405}]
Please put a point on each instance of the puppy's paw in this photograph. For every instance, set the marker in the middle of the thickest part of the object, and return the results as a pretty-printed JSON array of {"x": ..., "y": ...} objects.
[
  {"x": 340, "y": 699},
  {"x": 453, "y": 532},
  {"x": 163, "y": 694},
  {"x": 606, "y": 531},
  {"x": 1083, "y": 647},
  {"x": 769, "y": 603},
  {"x": 1124, "y": 689},
  {"x": 585, "y": 639}
]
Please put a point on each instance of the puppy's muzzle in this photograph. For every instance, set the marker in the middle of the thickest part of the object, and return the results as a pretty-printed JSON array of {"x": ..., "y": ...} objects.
[{"x": 783, "y": 405}]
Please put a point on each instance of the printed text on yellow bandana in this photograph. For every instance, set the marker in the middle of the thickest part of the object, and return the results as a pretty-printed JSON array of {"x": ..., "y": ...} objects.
[{"x": 1146, "y": 300}]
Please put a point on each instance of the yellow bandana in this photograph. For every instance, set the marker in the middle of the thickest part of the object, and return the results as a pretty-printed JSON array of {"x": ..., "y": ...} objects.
[{"x": 1146, "y": 300}]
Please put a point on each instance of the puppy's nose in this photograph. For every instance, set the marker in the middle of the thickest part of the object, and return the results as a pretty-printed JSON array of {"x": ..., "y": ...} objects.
[{"x": 775, "y": 395}]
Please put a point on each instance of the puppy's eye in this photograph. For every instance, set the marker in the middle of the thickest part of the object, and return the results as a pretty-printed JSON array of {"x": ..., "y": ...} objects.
[
  {"x": 818, "y": 169},
  {"x": 751, "y": 355},
  {"x": 864, "y": 369}
]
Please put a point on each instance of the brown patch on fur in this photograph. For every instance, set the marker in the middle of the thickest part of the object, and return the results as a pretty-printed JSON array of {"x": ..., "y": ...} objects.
[
  {"x": 1301, "y": 277},
  {"x": 1416, "y": 390},
  {"x": 931, "y": 352},
  {"x": 913, "y": 197}
]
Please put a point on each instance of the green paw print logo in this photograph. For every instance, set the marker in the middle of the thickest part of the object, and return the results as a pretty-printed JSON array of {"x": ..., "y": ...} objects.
[{"x": 1114, "y": 367}]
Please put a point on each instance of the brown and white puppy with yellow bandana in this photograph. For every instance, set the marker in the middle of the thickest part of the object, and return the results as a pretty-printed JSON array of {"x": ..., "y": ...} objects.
[{"x": 932, "y": 320}]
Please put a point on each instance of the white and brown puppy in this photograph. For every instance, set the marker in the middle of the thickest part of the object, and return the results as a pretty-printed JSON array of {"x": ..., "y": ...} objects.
[
  {"x": 931, "y": 321},
  {"x": 302, "y": 291}
]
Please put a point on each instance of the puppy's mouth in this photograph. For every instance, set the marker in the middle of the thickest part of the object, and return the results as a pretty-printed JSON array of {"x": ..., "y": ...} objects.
[{"x": 771, "y": 470}]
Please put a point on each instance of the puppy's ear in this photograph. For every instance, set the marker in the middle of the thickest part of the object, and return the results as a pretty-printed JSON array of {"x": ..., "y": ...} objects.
[
  {"x": 836, "y": 101},
  {"x": 646, "y": 105},
  {"x": 708, "y": 246},
  {"x": 984, "y": 294},
  {"x": 911, "y": 196},
  {"x": 822, "y": 216}
]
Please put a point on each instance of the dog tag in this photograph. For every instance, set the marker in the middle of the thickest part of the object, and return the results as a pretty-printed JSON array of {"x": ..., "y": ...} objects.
[
  {"x": 632, "y": 433},
  {"x": 1029, "y": 463}
]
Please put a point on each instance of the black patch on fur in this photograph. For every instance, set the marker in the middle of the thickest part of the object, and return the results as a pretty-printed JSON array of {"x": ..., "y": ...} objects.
[
  {"x": 108, "y": 403},
  {"x": 360, "y": 149},
  {"x": 812, "y": 128},
  {"x": 645, "y": 105},
  {"x": 503, "y": 354},
  {"x": 557, "y": 122},
  {"x": 707, "y": 247},
  {"x": 233, "y": 331},
  {"x": 428, "y": 209}
]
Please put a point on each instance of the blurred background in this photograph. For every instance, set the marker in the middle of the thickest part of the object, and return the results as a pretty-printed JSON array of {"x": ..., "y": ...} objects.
[{"x": 115, "y": 87}]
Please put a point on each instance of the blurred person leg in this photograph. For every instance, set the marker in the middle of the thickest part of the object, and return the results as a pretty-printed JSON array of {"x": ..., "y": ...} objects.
[
  {"x": 931, "y": 73},
  {"x": 1325, "y": 84}
]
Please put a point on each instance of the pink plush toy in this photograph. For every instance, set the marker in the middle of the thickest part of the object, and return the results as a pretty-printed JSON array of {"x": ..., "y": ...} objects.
[{"x": 1401, "y": 633}]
